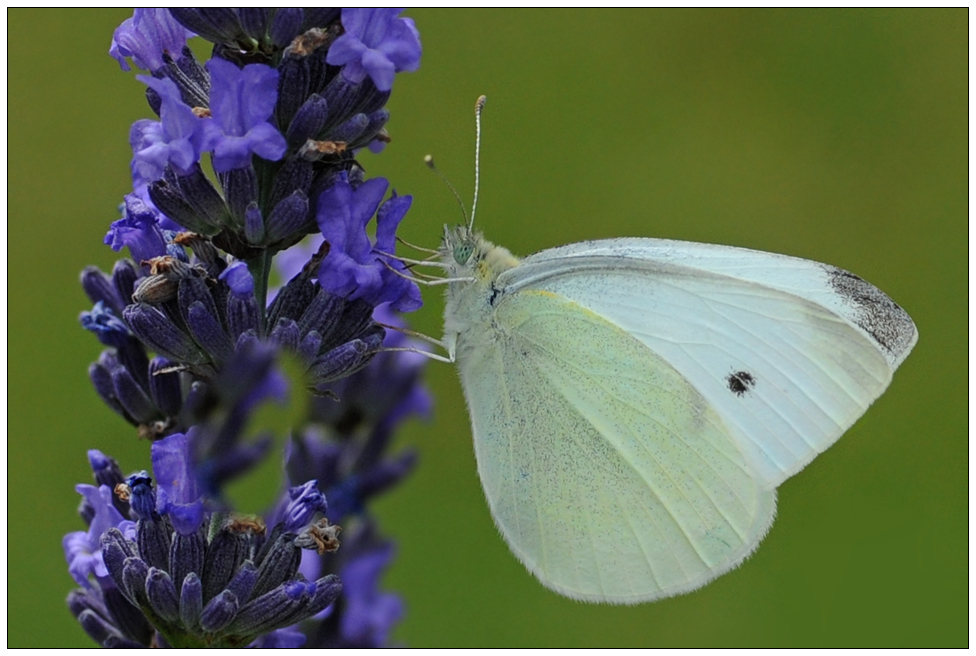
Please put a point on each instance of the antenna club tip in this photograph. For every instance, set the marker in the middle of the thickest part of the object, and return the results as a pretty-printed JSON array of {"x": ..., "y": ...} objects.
[{"x": 478, "y": 106}]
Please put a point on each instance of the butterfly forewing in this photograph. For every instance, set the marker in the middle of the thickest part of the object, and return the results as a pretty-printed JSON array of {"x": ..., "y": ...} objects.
[{"x": 779, "y": 348}]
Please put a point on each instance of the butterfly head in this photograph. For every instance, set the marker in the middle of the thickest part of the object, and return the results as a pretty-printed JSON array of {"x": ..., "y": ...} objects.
[
  {"x": 459, "y": 245},
  {"x": 467, "y": 254}
]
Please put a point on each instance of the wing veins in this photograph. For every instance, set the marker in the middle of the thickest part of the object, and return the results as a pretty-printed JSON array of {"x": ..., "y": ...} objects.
[
  {"x": 650, "y": 516},
  {"x": 791, "y": 358},
  {"x": 511, "y": 456},
  {"x": 641, "y": 411},
  {"x": 711, "y": 303},
  {"x": 776, "y": 408},
  {"x": 664, "y": 470},
  {"x": 535, "y": 500},
  {"x": 640, "y": 543}
]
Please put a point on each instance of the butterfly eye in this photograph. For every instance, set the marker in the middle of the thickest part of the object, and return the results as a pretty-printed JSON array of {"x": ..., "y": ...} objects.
[{"x": 462, "y": 252}]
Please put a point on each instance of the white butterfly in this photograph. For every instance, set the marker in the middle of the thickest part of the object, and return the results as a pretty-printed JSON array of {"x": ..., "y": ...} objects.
[{"x": 636, "y": 402}]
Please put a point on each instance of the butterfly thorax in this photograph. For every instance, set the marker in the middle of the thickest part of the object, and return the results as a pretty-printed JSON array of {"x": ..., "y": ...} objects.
[{"x": 475, "y": 263}]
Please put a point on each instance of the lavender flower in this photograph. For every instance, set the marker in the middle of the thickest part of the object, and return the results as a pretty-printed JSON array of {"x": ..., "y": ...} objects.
[
  {"x": 299, "y": 505},
  {"x": 344, "y": 449},
  {"x": 233, "y": 584},
  {"x": 369, "y": 614},
  {"x": 241, "y": 101},
  {"x": 269, "y": 91},
  {"x": 81, "y": 548},
  {"x": 176, "y": 140},
  {"x": 144, "y": 392},
  {"x": 178, "y": 496},
  {"x": 218, "y": 25},
  {"x": 254, "y": 29},
  {"x": 362, "y": 616},
  {"x": 239, "y": 280},
  {"x": 139, "y": 229},
  {"x": 354, "y": 267},
  {"x": 200, "y": 322},
  {"x": 147, "y": 37},
  {"x": 376, "y": 43},
  {"x": 252, "y": 152}
]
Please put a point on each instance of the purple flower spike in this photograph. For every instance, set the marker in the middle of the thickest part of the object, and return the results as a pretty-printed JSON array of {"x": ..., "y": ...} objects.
[
  {"x": 375, "y": 43},
  {"x": 146, "y": 36},
  {"x": 240, "y": 153},
  {"x": 353, "y": 268},
  {"x": 177, "y": 492},
  {"x": 139, "y": 230},
  {"x": 176, "y": 139},
  {"x": 241, "y": 101}
]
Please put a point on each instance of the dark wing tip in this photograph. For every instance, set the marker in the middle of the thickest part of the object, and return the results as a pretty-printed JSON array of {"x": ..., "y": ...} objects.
[{"x": 876, "y": 314}]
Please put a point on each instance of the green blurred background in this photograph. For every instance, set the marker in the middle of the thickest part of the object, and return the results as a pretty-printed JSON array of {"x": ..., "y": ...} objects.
[{"x": 838, "y": 136}]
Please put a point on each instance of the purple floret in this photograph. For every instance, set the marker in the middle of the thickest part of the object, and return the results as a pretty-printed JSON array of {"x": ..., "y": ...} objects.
[
  {"x": 376, "y": 43},
  {"x": 354, "y": 267},
  {"x": 178, "y": 494},
  {"x": 146, "y": 36},
  {"x": 238, "y": 278},
  {"x": 241, "y": 102},
  {"x": 369, "y": 614},
  {"x": 176, "y": 139},
  {"x": 138, "y": 229},
  {"x": 81, "y": 548}
]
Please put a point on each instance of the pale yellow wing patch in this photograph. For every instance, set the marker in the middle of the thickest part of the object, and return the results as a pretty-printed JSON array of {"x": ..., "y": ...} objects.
[{"x": 609, "y": 475}]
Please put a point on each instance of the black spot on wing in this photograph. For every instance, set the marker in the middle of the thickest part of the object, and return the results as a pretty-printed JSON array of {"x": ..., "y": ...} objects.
[
  {"x": 740, "y": 382},
  {"x": 876, "y": 314}
]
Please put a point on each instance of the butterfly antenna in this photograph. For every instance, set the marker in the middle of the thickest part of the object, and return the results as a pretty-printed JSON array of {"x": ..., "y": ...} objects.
[
  {"x": 429, "y": 161},
  {"x": 478, "y": 107}
]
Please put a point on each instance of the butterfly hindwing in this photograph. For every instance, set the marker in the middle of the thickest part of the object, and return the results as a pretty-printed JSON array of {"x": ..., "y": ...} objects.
[{"x": 611, "y": 478}]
